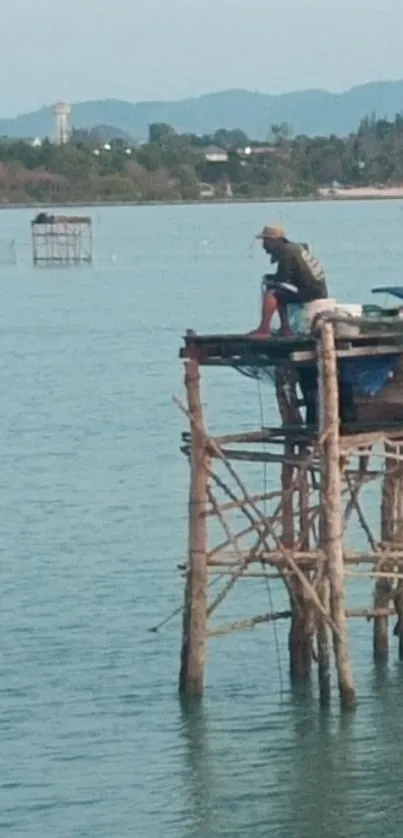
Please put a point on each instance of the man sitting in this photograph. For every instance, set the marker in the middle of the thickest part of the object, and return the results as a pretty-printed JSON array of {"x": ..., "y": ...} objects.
[{"x": 299, "y": 279}]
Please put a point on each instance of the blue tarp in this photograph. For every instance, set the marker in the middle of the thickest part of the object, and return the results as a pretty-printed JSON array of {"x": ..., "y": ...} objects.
[
  {"x": 395, "y": 290},
  {"x": 368, "y": 376}
]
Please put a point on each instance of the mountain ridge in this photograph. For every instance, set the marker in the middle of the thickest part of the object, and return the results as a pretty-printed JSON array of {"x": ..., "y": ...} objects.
[{"x": 311, "y": 111}]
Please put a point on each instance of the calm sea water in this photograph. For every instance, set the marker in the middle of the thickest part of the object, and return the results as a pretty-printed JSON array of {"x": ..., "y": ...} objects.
[{"x": 93, "y": 491}]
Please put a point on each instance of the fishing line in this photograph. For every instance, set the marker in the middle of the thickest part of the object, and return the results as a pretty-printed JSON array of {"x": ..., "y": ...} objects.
[{"x": 155, "y": 629}]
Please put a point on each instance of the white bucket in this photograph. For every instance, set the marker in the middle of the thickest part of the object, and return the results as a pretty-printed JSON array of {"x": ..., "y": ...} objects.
[
  {"x": 352, "y": 310},
  {"x": 355, "y": 309},
  {"x": 349, "y": 310},
  {"x": 310, "y": 310}
]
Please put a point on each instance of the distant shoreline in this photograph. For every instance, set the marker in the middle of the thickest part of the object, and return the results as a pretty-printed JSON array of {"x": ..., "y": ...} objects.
[{"x": 343, "y": 196}]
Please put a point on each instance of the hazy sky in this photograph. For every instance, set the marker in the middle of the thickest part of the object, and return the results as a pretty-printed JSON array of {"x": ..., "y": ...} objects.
[{"x": 166, "y": 49}]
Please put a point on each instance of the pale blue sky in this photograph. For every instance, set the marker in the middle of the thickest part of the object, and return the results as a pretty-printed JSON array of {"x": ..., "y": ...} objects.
[{"x": 166, "y": 49}]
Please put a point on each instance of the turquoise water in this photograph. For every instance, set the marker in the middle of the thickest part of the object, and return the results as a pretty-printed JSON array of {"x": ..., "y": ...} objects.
[{"x": 93, "y": 493}]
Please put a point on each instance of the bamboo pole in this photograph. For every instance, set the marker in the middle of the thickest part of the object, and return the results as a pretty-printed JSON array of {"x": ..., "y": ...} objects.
[
  {"x": 309, "y": 589},
  {"x": 331, "y": 508},
  {"x": 242, "y": 561},
  {"x": 193, "y": 652},
  {"x": 241, "y": 625},
  {"x": 398, "y": 537},
  {"x": 363, "y": 575},
  {"x": 241, "y": 503},
  {"x": 251, "y": 622},
  {"x": 355, "y": 503},
  {"x": 370, "y": 613},
  {"x": 383, "y": 587},
  {"x": 351, "y": 444},
  {"x": 314, "y": 558},
  {"x": 398, "y": 629},
  {"x": 248, "y": 575},
  {"x": 249, "y": 436},
  {"x": 376, "y": 574},
  {"x": 299, "y": 645},
  {"x": 247, "y": 456},
  {"x": 219, "y": 549},
  {"x": 322, "y": 634},
  {"x": 323, "y": 648},
  {"x": 304, "y": 510},
  {"x": 300, "y": 637}
]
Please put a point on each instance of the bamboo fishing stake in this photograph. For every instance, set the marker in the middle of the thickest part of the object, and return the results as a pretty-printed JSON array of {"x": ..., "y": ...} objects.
[
  {"x": 331, "y": 508},
  {"x": 193, "y": 654},
  {"x": 383, "y": 587},
  {"x": 283, "y": 539},
  {"x": 322, "y": 642}
]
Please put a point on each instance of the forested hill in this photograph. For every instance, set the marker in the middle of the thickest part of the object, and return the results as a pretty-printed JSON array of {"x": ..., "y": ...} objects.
[{"x": 309, "y": 112}]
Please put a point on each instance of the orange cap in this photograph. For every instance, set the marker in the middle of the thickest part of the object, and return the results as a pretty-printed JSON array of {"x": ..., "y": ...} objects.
[{"x": 272, "y": 233}]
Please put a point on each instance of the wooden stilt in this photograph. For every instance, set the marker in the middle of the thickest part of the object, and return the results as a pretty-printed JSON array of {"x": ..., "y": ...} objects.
[
  {"x": 322, "y": 635},
  {"x": 301, "y": 661},
  {"x": 398, "y": 540},
  {"x": 193, "y": 652},
  {"x": 383, "y": 587},
  {"x": 331, "y": 508},
  {"x": 392, "y": 534},
  {"x": 299, "y": 638},
  {"x": 299, "y": 645},
  {"x": 299, "y": 532},
  {"x": 323, "y": 651},
  {"x": 398, "y": 630}
]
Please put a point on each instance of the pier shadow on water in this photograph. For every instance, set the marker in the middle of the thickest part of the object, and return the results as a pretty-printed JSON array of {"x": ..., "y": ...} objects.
[{"x": 295, "y": 771}]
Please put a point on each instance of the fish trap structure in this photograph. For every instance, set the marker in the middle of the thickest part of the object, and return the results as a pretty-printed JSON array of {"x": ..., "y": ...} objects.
[
  {"x": 61, "y": 240},
  {"x": 340, "y": 404}
]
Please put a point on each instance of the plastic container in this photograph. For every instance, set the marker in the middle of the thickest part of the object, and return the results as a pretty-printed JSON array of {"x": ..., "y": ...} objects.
[
  {"x": 295, "y": 317},
  {"x": 349, "y": 310},
  {"x": 310, "y": 310}
]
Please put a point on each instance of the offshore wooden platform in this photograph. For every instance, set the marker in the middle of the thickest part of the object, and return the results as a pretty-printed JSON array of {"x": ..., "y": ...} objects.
[
  {"x": 340, "y": 404},
  {"x": 61, "y": 240}
]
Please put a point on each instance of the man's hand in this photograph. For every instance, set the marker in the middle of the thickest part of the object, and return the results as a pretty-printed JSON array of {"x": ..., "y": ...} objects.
[{"x": 269, "y": 281}]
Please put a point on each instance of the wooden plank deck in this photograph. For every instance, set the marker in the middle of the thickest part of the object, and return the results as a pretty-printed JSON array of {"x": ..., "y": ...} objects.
[{"x": 230, "y": 350}]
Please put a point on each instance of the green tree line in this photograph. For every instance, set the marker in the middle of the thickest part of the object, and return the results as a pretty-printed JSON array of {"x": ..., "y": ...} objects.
[{"x": 175, "y": 166}]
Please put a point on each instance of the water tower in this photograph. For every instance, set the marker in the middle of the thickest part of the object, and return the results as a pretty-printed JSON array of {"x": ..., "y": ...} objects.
[{"x": 61, "y": 113}]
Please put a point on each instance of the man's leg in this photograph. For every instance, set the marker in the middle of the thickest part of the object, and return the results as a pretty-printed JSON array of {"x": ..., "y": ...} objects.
[
  {"x": 286, "y": 295},
  {"x": 285, "y": 328},
  {"x": 269, "y": 308},
  {"x": 276, "y": 299}
]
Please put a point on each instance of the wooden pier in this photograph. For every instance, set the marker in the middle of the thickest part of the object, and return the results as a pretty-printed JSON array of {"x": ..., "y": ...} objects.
[
  {"x": 299, "y": 531},
  {"x": 61, "y": 240}
]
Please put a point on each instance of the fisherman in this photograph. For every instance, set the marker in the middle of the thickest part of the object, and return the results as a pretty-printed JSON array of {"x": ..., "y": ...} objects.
[{"x": 299, "y": 279}]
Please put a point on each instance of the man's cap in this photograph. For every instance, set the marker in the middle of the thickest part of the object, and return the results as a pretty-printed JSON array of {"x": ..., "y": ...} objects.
[{"x": 272, "y": 232}]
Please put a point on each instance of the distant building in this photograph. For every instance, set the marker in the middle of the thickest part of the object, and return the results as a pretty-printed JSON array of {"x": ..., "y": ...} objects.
[
  {"x": 228, "y": 190},
  {"x": 206, "y": 191},
  {"x": 61, "y": 113},
  {"x": 215, "y": 154},
  {"x": 256, "y": 151}
]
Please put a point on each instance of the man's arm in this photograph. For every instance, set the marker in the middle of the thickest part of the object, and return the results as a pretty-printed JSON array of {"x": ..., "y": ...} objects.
[{"x": 285, "y": 272}]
